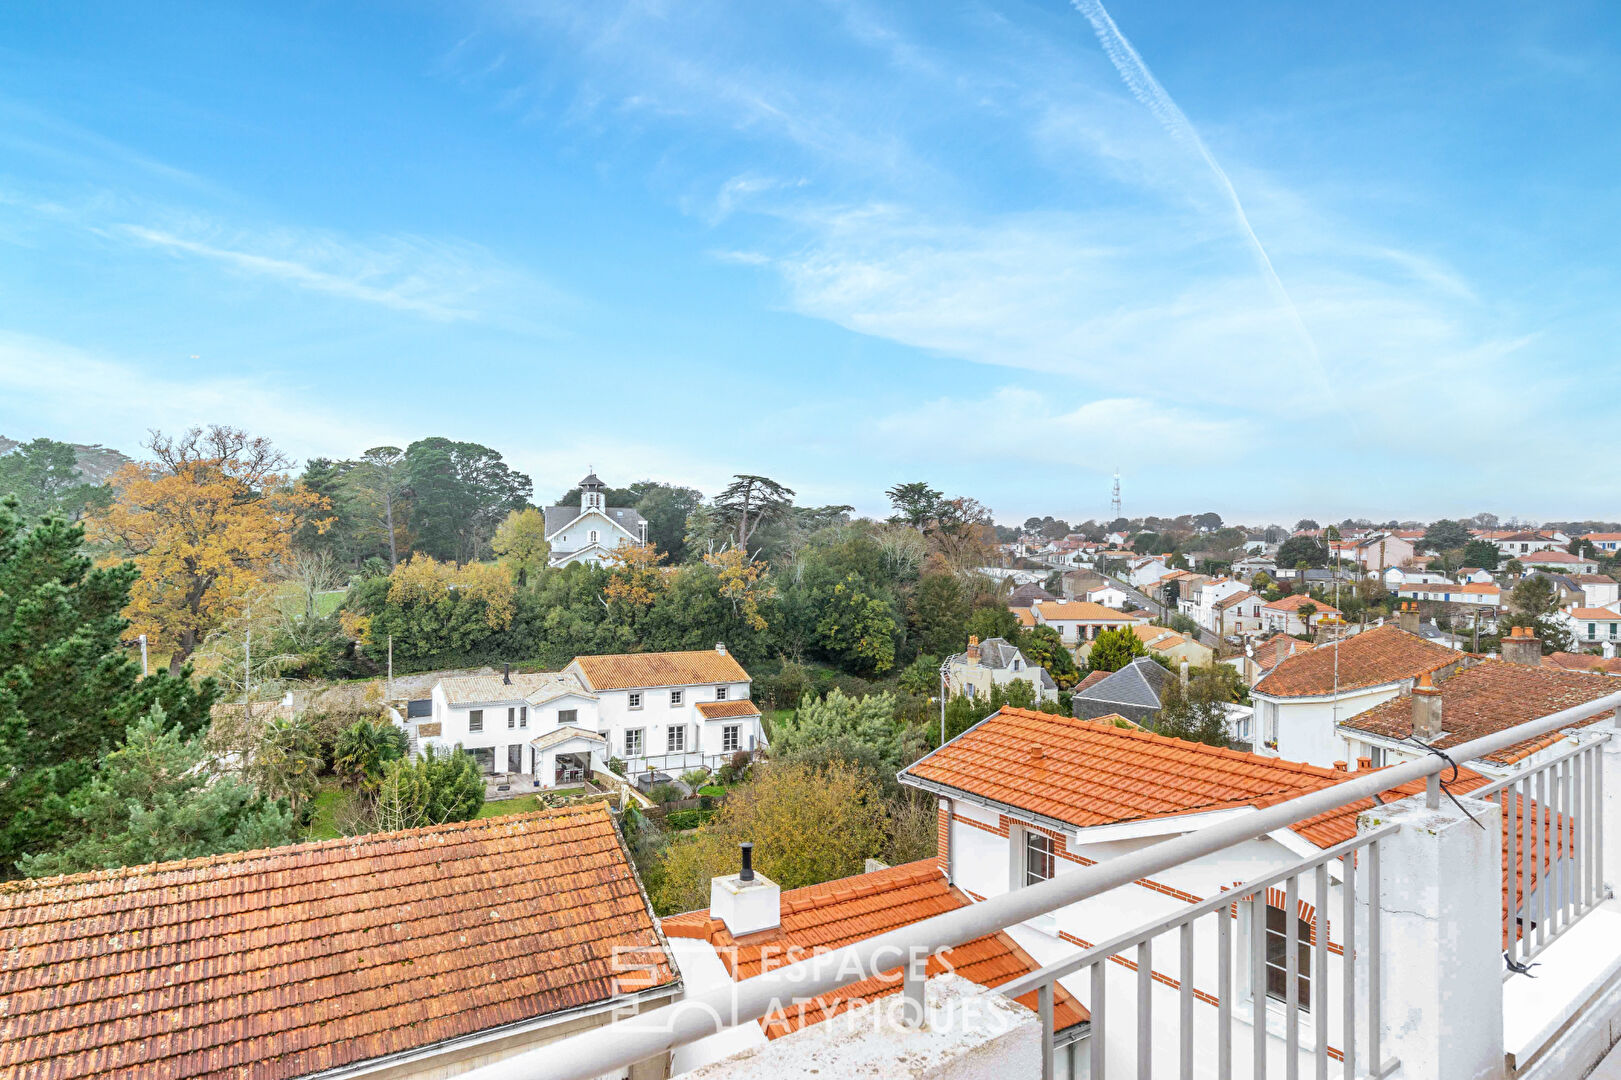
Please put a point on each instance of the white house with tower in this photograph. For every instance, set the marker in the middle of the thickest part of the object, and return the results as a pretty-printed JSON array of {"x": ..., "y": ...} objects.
[{"x": 588, "y": 532}]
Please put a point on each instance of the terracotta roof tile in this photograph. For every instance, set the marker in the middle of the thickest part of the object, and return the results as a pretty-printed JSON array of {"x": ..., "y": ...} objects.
[
  {"x": 836, "y": 913},
  {"x": 1080, "y": 611},
  {"x": 718, "y": 710},
  {"x": 1583, "y": 662},
  {"x": 1381, "y": 655},
  {"x": 1489, "y": 697},
  {"x": 1292, "y": 602},
  {"x": 1093, "y": 773},
  {"x": 288, "y": 961},
  {"x": 630, "y": 671}
]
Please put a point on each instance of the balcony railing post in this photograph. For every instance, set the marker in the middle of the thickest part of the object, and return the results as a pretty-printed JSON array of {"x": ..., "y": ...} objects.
[
  {"x": 1608, "y": 826},
  {"x": 1434, "y": 915}
]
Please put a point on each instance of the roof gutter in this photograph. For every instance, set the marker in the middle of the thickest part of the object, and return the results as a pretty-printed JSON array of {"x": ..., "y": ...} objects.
[{"x": 949, "y": 792}]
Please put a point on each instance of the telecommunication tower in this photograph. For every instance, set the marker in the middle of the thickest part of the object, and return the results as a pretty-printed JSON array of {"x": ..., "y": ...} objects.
[{"x": 1114, "y": 503}]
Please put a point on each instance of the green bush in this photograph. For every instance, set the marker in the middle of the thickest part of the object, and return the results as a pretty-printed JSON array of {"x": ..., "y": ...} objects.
[
  {"x": 688, "y": 819},
  {"x": 663, "y": 793},
  {"x": 712, "y": 790}
]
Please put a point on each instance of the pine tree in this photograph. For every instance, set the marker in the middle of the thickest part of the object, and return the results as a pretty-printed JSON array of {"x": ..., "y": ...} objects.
[
  {"x": 160, "y": 796},
  {"x": 68, "y": 687}
]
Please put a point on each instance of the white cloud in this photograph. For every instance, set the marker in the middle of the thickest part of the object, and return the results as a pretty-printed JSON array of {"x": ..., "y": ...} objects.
[
  {"x": 435, "y": 279},
  {"x": 1024, "y": 425},
  {"x": 82, "y": 396}
]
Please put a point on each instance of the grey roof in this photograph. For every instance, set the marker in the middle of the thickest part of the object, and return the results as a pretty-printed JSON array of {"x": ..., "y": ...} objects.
[
  {"x": 626, "y": 518},
  {"x": 1025, "y": 595},
  {"x": 998, "y": 653},
  {"x": 592, "y": 481},
  {"x": 1132, "y": 692}
]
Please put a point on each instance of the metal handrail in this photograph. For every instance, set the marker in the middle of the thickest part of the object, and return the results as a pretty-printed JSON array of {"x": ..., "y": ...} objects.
[{"x": 614, "y": 1046}]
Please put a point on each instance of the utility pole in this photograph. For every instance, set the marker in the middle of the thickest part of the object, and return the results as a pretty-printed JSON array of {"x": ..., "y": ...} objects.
[
  {"x": 391, "y": 666},
  {"x": 943, "y": 667},
  {"x": 144, "y": 671}
]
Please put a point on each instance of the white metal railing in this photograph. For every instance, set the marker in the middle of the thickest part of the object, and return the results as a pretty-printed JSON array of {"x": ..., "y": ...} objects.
[
  {"x": 1553, "y": 828},
  {"x": 615, "y": 1046},
  {"x": 1238, "y": 913}
]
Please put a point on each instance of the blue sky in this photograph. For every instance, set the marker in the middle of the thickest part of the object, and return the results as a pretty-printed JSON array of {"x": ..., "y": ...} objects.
[{"x": 1271, "y": 259}]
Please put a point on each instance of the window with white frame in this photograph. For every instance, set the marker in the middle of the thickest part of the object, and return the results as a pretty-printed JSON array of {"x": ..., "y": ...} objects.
[
  {"x": 593, "y": 536},
  {"x": 635, "y": 698},
  {"x": 512, "y": 717},
  {"x": 568, "y": 716},
  {"x": 1376, "y": 754},
  {"x": 633, "y": 742},
  {"x": 675, "y": 740},
  {"x": 720, "y": 693},
  {"x": 475, "y": 720},
  {"x": 731, "y": 738},
  {"x": 675, "y": 698},
  {"x": 1038, "y": 857},
  {"x": 523, "y": 716},
  {"x": 1277, "y": 957}
]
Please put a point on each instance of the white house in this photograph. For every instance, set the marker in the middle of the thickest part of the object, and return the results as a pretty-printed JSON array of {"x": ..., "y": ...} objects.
[
  {"x": 1610, "y": 542},
  {"x": 588, "y": 532},
  {"x": 1144, "y": 572},
  {"x": 672, "y": 710},
  {"x": 1517, "y": 545},
  {"x": 1483, "y": 593},
  {"x": 1397, "y": 576},
  {"x": 652, "y": 710},
  {"x": 1379, "y": 552},
  {"x": 1200, "y": 602},
  {"x": 1598, "y": 590},
  {"x": 1562, "y": 561},
  {"x": 542, "y": 725},
  {"x": 1593, "y": 626},
  {"x": 1301, "y": 702},
  {"x": 1110, "y": 596},
  {"x": 1023, "y": 798},
  {"x": 992, "y": 663},
  {"x": 1283, "y": 615},
  {"x": 1077, "y": 621}
]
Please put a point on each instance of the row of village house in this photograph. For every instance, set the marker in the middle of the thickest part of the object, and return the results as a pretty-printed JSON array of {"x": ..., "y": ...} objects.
[{"x": 429, "y": 952}]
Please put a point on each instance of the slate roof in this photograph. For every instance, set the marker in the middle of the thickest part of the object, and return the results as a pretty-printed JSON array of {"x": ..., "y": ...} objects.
[
  {"x": 1382, "y": 655},
  {"x": 1133, "y": 691},
  {"x": 1025, "y": 595},
  {"x": 624, "y": 517},
  {"x": 630, "y": 671},
  {"x": 289, "y": 961},
  {"x": 818, "y": 918},
  {"x": 534, "y": 688},
  {"x": 1491, "y": 696}
]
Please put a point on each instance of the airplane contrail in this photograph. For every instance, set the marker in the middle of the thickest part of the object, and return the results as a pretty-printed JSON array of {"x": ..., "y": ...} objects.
[{"x": 1147, "y": 90}]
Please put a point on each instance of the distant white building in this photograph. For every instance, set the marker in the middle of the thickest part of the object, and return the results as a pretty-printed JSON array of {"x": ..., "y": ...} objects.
[
  {"x": 588, "y": 532},
  {"x": 663, "y": 711}
]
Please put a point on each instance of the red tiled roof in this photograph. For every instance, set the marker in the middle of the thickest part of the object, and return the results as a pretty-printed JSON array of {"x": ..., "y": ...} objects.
[
  {"x": 1583, "y": 662},
  {"x": 1594, "y": 614},
  {"x": 1292, "y": 602},
  {"x": 1080, "y": 610},
  {"x": 1093, "y": 773},
  {"x": 818, "y": 918},
  {"x": 1277, "y": 648},
  {"x": 1491, "y": 696},
  {"x": 628, "y": 671},
  {"x": 1092, "y": 679},
  {"x": 720, "y": 710},
  {"x": 1381, "y": 655},
  {"x": 1554, "y": 556},
  {"x": 289, "y": 961}
]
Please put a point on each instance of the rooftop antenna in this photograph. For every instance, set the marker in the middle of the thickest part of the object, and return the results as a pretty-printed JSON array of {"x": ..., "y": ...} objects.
[{"x": 1114, "y": 503}]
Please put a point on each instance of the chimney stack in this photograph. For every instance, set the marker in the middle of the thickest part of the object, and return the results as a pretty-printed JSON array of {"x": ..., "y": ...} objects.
[
  {"x": 506, "y": 674},
  {"x": 1363, "y": 763},
  {"x": 973, "y": 649},
  {"x": 1522, "y": 647},
  {"x": 720, "y": 647},
  {"x": 747, "y": 902},
  {"x": 1426, "y": 709},
  {"x": 1339, "y": 766},
  {"x": 1407, "y": 616}
]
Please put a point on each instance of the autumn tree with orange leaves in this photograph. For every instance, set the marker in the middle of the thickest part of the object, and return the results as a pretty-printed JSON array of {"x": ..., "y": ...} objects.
[
  {"x": 635, "y": 579},
  {"x": 206, "y": 522}
]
